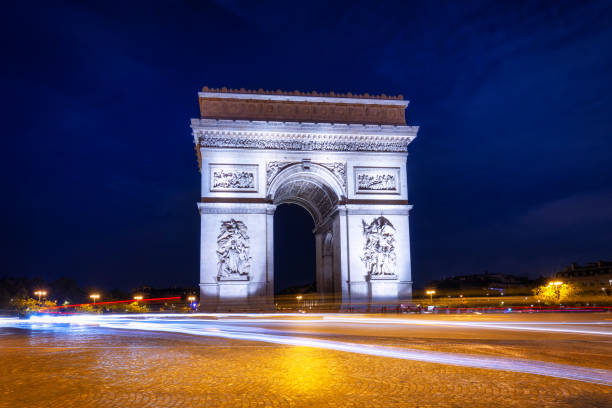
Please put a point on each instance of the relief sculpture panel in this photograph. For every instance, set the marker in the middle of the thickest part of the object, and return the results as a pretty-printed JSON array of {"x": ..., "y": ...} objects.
[
  {"x": 379, "y": 255},
  {"x": 377, "y": 180},
  {"x": 233, "y": 249},
  {"x": 233, "y": 177}
]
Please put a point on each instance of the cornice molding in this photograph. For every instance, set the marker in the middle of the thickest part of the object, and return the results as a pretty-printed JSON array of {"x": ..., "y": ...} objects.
[{"x": 304, "y": 127}]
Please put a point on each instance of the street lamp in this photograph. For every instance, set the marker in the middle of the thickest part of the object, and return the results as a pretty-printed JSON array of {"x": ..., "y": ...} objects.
[
  {"x": 192, "y": 302},
  {"x": 40, "y": 293},
  {"x": 95, "y": 297},
  {"x": 431, "y": 293},
  {"x": 137, "y": 298}
]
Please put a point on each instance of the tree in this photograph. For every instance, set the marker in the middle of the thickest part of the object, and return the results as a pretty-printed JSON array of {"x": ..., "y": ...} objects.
[
  {"x": 87, "y": 308},
  {"x": 27, "y": 304},
  {"x": 554, "y": 292},
  {"x": 136, "y": 308}
]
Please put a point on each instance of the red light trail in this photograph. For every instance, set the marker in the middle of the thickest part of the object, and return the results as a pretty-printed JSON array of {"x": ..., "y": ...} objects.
[{"x": 111, "y": 302}]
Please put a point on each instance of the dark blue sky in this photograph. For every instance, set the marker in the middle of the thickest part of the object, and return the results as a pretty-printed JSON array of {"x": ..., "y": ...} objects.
[{"x": 511, "y": 171}]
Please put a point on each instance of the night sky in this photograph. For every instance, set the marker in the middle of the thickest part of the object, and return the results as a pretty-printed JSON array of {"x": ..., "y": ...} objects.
[{"x": 511, "y": 171}]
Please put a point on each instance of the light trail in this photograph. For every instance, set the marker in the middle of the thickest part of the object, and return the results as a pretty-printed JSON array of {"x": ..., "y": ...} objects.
[
  {"x": 227, "y": 328},
  {"x": 110, "y": 302},
  {"x": 527, "y": 326},
  {"x": 584, "y": 374},
  {"x": 251, "y": 319}
]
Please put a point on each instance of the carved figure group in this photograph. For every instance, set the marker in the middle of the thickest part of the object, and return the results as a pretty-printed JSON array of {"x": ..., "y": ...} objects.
[
  {"x": 376, "y": 182},
  {"x": 233, "y": 250},
  {"x": 379, "y": 248},
  {"x": 233, "y": 179}
]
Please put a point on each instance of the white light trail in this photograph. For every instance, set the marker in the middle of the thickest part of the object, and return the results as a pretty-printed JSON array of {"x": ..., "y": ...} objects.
[
  {"x": 527, "y": 326},
  {"x": 225, "y": 326},
  {"x": 584, "y": 374}
]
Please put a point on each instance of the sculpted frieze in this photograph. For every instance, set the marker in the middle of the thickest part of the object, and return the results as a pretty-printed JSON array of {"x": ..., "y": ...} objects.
[{"x": 381, "y": 145}]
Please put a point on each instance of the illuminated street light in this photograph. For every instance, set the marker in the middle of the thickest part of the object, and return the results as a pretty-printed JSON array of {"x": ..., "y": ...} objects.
[
  {"x": 431, "y": 293},
  {"x": 40, "y": 293},
  {"x": 94, "y": 296},
  {"x": 192, "y": 302},
  {"x": 137, "y": 298}
]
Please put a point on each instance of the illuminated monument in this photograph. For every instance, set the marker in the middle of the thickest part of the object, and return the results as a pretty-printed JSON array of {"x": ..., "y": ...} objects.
[{"x": 341, "y": 157}]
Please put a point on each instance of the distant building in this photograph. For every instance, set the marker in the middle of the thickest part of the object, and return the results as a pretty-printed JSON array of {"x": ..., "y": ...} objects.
[
  {"x": 482, "y": 284},
  {"x": 590, "y": 278}
]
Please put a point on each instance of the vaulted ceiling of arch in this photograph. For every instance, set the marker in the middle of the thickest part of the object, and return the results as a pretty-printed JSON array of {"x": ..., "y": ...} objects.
[{"x": 319, "y": 199}]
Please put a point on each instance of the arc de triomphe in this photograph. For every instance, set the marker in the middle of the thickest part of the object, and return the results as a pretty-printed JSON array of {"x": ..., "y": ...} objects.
[{"x": 341, "y": 157}]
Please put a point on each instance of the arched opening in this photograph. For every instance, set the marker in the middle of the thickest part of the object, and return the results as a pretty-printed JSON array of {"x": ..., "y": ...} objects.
[
  {"x": 306, "y": 263},
  {"x": 294, "y": 252}
]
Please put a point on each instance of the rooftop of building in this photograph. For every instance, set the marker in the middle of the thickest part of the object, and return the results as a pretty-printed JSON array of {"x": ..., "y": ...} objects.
[{"x": 300, "y": 93}]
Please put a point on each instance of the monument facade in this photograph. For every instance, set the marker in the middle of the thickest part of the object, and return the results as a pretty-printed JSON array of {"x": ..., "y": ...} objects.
[{"x": 341, "y": 157}]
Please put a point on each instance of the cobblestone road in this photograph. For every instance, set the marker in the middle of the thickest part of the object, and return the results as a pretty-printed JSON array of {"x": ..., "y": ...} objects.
[{"x": 95, "y": 367}]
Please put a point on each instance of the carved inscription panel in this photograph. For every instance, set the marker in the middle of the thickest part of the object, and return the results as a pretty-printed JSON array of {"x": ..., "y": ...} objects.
[
  {"x": 233, "y": 177},
  {"x": 377, "y": 180}
]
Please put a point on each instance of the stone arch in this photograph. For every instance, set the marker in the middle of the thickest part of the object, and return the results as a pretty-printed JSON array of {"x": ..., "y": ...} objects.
[
  {"x": 310, "y": 185},
  {"x": 319, "y": 191},
  {"x": 344, "y": 167}
]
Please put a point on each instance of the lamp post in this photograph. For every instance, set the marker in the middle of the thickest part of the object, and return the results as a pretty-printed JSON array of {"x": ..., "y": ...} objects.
[
  {"x": 299, "y": 297},
  {"x": 94, "y": 296},
  {"x": 191, "y": 299},
  {"x": 137, "y": 298},
  {"x": 431, "y": 293},
  {"x": 40, "y": 293}
]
